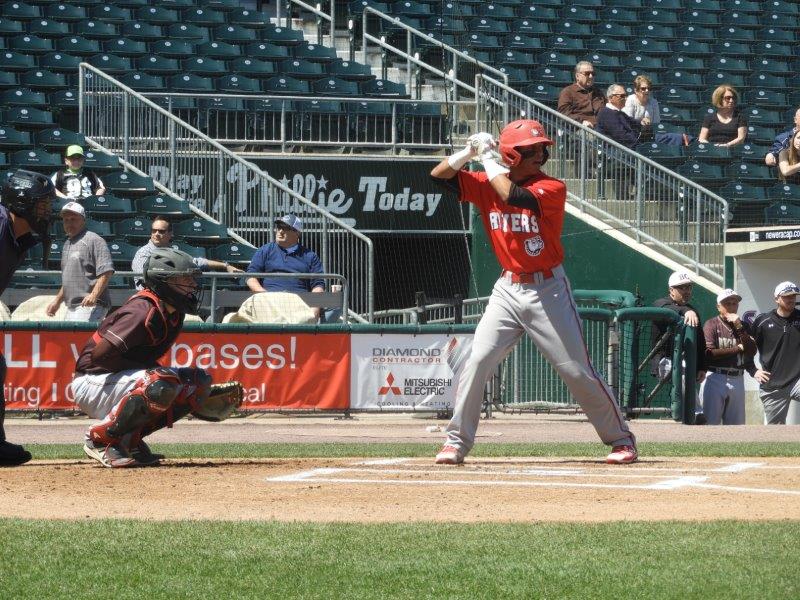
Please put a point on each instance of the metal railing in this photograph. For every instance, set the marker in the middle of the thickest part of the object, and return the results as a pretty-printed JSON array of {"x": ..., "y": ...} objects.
[
  {"x": 287, "y": 124},
  {"x": 187, "y": 162},
  {"x": 633, "y": 194}
]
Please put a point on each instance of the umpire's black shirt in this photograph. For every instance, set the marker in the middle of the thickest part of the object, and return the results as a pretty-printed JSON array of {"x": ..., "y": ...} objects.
[
  {"x": 12, "y": 249},
  {"x": 778, "y": 341}
]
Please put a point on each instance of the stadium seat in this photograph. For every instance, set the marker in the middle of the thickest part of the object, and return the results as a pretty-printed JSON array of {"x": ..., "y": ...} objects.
[
  {"x": 772, "y": 34},
  {"x": 738, "y": 191},
  {"x": 667, "y": 155},
  {"x": 31, "y": 44},
  {"x": 235, "y": 253},
  {"x": 175, "y": 4},
  {"x": 249, "y": 18},
  {"x": 9, "y": 27},
  {"x": 543, "y": 92},
  {"x": 614, "y": 14},
  {"x": 158, "y": 65},
  {"x": 77, "y": 45},
  {"x": 679, "y": 97},
  {"x": 650, "y": 47},
  {"x": 35, "y": 159},
  {"x": 513, "y": 58},
  {"x": 222, "y": 5},
  {"x": 266, "y": 51},
  {"x": 48, "y": 29},
  {"x": 383, "y": 88},
  {"x": 110, "y": 63},
  {"x": 334, "y": 86},
  {"x": 236, "y": 83},
  {"x": 767, "y": 81},
  {"x": 96, "y": 30},
  {"x": 22, "y": 97},
  {"x": 108, "y": 207},
  {"x": 531, "y": 27},
  {"x": 350, "y": 71},
  {"x": 143, "y": 82},
  {"x": 769, "y": 49},
  {"x": 696, "y": 33},
  {"x": 125, "y": 47},
  {"x": 282, "y": 36},
  {"x": 709, "y": 153},
  {"x": 764, "y": 64},
  {"x": 19, "y": 11},
  {"x": 234, "y": 34},
  {"x": 188, "y": 32},
  {"x": 783, "y": 192},
  {"x": 201, "y": 231},
  {"x": 25, "y": 118},
  {"x": 654, "y": 31},
  {"x": 693, "y": 48},
  {"x": 679, "y": 62},
  {"x": 101, "y": 228},
  {"x": 42, "y": 80},
  {"x": 727, "y": 64},
  {"x": 524, "y": 44},
  {"x": 556, "y": 76},
  {"x": 323, "y": 121},
  {"x": 128, "y": 184},
  {"x": 487, "y": 26},
  {"x": 561, "y": 43},
  {"x": 749, "y": 152},
  {"x": 763, "y": 116},
  {"x": 193, "y": 251},
  {"x": 11, "y": 60},
  {"x": 683, "y": 79},
  {"x": 135, "y": 230},
  {"x": 286, "y": 85},
  {"x": 707, "y": 175},
  {"x": 8, "y": 80},
  {"x": 644, "y": 63},
  {"x": 143, "y": 32},
  {"x": 660, "y": 15},
  {"x": 301, "y": 69},
  {"x": 444, "y": 24},
  {"x": 356, "y": 7},
  {"x": 761, "y": 134},
  {"x": 738, "y": 34},
  {"x": 57, "y": 139},
  {"x": 314, "y": 53},
  {"x": 163, "y": 205},
  {"x": 557, "y": 59},
  {"x": 158, "y": 15},
  {"x": 100, "y": 161},
  {"x": 60, "y": 62},
  {"x": 219, "y": 50},
  {"x": 251, "y": 67},
  {"x": 749, "y": 172},
  {"x": 14, "y": 139},
  {"x": 615, "y": 31},
  {"x": 740, "y": 19},
  {"x": 573, "y": 29},
  {"x": 204, "y": 66},
  {"x": 203, "y": 17},
  {"x": 782, "y": 213},
  {"x": 678, "y": 116},
  {"x": 190, "y": 83},
  {"x": 573, "y": 13},
  {"x": 110, "y": 13}
]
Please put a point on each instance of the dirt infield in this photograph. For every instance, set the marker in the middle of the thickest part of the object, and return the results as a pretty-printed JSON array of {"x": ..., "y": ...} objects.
[{"x": 413, "y": 489}]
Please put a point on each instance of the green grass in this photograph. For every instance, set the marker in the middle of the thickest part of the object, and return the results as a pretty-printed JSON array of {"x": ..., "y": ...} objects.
[
  {"x": 336, "y": 450},
  {"x": 119, "y": 559}
]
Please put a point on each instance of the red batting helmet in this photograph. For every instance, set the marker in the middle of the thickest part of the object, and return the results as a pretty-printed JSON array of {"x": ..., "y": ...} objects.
[{"x": 519, "y": 134}]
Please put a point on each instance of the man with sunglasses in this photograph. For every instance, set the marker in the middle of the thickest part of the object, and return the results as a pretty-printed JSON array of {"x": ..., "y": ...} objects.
[
  {"x": 161, "y": 237},
  {"x": 680, "y": 293},
  {"x": 522, "y": 210},
  {"x": 614, "y": 123}
]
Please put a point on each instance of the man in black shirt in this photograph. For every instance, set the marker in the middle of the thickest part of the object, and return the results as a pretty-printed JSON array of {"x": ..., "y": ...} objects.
[{"x": 777, "y": 335}]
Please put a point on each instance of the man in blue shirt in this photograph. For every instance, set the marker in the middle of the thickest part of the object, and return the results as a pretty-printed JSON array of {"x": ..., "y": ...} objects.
[
  {"x": 286, "y": 255},
  {"x": 26, "y": 209},
  {"x": 782, "y": 142}
]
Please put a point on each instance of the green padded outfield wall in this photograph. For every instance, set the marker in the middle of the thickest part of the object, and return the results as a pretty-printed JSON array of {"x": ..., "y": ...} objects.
[{"x": 593, "y": 261}]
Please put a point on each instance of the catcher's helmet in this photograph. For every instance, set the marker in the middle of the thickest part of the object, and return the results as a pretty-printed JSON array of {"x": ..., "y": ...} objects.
[
  {"x": 519, "y": 134},
  {"x": 21, "y": 193},
  {"x": 163, "y": 265}
]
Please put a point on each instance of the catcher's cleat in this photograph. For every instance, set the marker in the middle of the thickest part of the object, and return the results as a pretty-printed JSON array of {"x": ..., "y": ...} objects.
[
  {"x": 622, "y": 455},
  {"x": 449, "y": 455},
  {"x": 12, "y": 455},
  {"x": 112, "y": 456},
  {"x": 144, "y": 456}
]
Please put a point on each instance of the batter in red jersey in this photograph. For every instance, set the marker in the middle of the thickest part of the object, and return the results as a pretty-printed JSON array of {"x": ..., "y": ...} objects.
[{"x": 523, "y": 212}]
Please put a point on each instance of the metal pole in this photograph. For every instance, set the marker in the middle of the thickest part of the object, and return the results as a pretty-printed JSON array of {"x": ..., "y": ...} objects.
[
  {"x": 351, "y": 38},
  {"x": 172, "y": 152},
  {"x": 126, "y": 128},
  {"x": 319, "y": 24},
  {"x": 408, "y": 59},
  {"x": 333, "y": 24},
  {"x": 81, "y": 101}
]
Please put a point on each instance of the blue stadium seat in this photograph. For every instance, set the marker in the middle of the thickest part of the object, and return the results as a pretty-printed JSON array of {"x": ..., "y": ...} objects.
[
  {"x": 36, "y": 160},
  {"x": 9, "y": 27},
  {"x": 60, "y": 62},
  {"x": 782, "y": 213},
  {"x": 19, "y": 11},
  {"x": 234, "y": 34},
  {"x": 709, "y": 153},
  {"x": 110, "y": 63},
  {"x": 190, "y": 83},
  {"x": 134, "y": 230},
  {"x": 125, "y": 47},
  {"x": 31, "y": 44},
  {"x": 685, "y": 63},
  {"x": 524, "y": 44},
  {"x": 767, "y": 81},
  {"x": 204, "y": 66},
  {"x": 286, "y": 85},
  {"x": 178, "y": 49},
  {"x": 573, "y": 29},
  {"x": 143, "y": 82},
  {"x": 664, "y": 154},
  {"x": 608, "y": 46},
  {"x": 78, "y": 46},
  {"x": 315, "y": 53},
  {"x": 96, "y": 30},
  {"x": 158, "y": 65},
  {"x": 282, "y": 36},
  {"x": 143, "y": 32},
  {"x": 235, "y": 253},
  {"x": 128, "y": 184},
  {"x": 100, "y": 162},
  {"x": 23, "y": 117},
  {"x": 57, "y": 139},
  {"x": 560, "y": 43},
  {"x": 531, "y": 27},
  {"x": 48, "y": 29},
  {"x": 749, "y": 172},
  {"x": 692, "y": 48},
  {"x": 108, "y": 207},
  {"x": 334, "y": 86},
  {"x": 14, "y": 139},
  {"x": 189, "y": 32},
  {"x": 708, "y": 175},
  {"x": 22, "y": 97},
  {"x": 235, "y": 83},
  {"x": 543, "y": 92},
  {"x": 351, "y": 71},
  {"x": 158, "y": 15},
  {"x": 654, "y": 31},
  {"x": 383, "y": 88},
  {"x": 163, "y": 205},
  {"x": 111, "y": 13},
  {"x": 301, "y": 69},
  {"x": 201, "y": 231},
  {"x": 219, "y": 50},
  {"x": 783, "y": 192},
  {"x": 252, "y": 67}
]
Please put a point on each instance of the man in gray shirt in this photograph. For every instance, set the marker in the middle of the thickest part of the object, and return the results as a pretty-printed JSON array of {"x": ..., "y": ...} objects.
[
  {"x": 161, "y": 237},
  {"x": 86, "y": 268}
]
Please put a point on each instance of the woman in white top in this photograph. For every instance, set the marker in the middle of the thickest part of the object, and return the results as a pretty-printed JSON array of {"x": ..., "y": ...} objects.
[{"x": 642, "y": 107}]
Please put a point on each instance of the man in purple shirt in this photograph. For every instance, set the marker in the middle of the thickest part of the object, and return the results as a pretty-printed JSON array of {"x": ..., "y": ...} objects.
[{"x": 25, "y": 210}]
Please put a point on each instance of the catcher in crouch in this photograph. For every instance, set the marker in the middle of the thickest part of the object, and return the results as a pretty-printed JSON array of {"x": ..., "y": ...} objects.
[{"x": 118, "y": 379}]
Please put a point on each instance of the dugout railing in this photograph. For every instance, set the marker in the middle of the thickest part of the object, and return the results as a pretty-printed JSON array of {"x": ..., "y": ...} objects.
[{"x": 152, "y": 141}]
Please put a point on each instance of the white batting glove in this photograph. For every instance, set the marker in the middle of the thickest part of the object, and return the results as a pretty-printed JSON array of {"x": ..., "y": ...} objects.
[
  {"x": 482, "y": 142},
  {"x": 476, "y": 145},
  {"x": 492, "y": 167}
]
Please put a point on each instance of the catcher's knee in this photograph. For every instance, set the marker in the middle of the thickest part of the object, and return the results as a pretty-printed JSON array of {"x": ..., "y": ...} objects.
[
  {"x": 159, "y": 387},
  {"x": 199, "y": 380},
  {"x": 130, "y": 414}
]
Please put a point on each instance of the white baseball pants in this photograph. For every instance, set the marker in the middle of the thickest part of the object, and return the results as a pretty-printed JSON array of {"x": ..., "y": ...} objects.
[
  {"x": 547, "y": 313},
  {"x": 96, "y": 395}
]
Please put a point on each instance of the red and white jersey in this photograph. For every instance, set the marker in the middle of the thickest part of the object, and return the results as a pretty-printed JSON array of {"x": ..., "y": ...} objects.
[{"x": 522, "y": 242}]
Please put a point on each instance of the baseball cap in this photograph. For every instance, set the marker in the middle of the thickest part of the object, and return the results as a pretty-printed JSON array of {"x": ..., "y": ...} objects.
[
  {"x": 75, "y": 208},
  {"x": 727, "y": 293},
  {"x": 679, "y": 278},
  {"x": 74, "y": 150},
  {"x": 786, "y": 288},
  {"x": 294, "y": 222}
]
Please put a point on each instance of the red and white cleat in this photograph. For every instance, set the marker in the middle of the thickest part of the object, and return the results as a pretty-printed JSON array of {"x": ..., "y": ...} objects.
[
  {"x": 449, "y": 455},
  {"x": 622, "y": 455}
]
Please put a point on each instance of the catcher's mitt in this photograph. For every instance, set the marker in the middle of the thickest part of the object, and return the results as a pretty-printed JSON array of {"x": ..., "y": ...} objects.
[{"x": 223, "y": 399}]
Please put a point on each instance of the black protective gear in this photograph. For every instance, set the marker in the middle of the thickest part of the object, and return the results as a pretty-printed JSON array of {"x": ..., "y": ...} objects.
[
  {"x": 165, "y": 264},
  {"x": 21, "y": 194}
]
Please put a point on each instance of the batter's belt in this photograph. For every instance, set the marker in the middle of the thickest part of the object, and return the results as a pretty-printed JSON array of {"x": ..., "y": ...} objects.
[{"x": 536, "y": 277}]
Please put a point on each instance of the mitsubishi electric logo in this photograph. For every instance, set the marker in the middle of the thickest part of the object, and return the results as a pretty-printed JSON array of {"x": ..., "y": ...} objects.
[{"x": 389, "y": 387}]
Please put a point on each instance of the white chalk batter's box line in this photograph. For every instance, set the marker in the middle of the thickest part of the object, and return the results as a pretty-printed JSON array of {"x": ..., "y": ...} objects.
[{"x": 665, "y": 478}]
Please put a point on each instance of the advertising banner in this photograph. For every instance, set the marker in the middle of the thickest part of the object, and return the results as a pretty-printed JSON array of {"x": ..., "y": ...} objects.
[
  {"x": 403, "y": 372},
  {"x": 289, "y": 371}
]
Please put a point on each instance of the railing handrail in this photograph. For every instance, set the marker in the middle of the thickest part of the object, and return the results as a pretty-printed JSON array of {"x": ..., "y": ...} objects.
[
  {"x": 592, "y": 132},
  {"x": 305, "y": 98}
]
